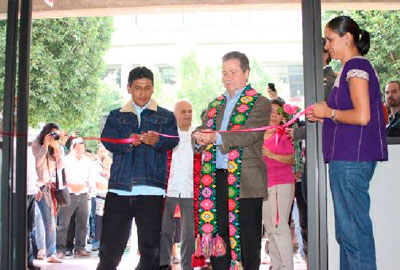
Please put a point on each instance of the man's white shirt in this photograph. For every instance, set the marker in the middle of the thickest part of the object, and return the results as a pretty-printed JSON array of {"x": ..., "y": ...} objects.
[
  {"x": 78, "y": 171},
  {"x": 180, "y": 182}
]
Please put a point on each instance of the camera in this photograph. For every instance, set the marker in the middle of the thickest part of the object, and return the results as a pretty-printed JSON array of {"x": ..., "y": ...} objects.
[{"x": 55, "y": 135}]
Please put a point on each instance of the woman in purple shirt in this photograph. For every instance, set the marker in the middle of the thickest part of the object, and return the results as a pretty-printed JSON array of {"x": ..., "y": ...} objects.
[{"x": 354, "y": 140}]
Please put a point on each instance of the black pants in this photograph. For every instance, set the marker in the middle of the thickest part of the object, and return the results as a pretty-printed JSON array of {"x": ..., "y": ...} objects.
[
  {"x": 78, "y": 206},
  {"x": 71, "y": 233},
  {"x": 250, "y": 222},
  {"x": 92, "y": 218},
  {"x": 30, "y": 205},
  {"x": 302, "y": 207},
  {"x": 117, "y": 221}
]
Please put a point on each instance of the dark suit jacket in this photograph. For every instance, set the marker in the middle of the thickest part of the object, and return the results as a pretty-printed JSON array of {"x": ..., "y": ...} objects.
[
  {"x": 329, "y": 81},
  {"x": 253, "y": 180}
]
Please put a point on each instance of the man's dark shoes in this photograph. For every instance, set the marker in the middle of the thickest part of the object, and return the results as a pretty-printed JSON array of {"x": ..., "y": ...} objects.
[
  {"x": 68, "y": 253},
  {"x": 82, "y": 253},
  {"x": 166, "y": 267}
]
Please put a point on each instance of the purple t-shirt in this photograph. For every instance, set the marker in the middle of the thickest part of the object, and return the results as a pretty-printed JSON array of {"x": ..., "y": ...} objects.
[{"x": 355, "y": 142}]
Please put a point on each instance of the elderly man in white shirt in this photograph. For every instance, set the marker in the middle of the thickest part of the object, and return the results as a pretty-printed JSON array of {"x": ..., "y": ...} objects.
[
  {"x": 180, "y": 191},
  {"x": 78, "y": 172}
]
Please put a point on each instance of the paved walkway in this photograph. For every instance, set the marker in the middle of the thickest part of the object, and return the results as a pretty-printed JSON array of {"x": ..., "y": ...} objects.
[{"x": 128, "y": 262}]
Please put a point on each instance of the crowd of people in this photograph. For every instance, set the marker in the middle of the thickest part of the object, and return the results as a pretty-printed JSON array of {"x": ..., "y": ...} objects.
[
  {"x": 61, "y": 231},
  {"x": 226, "y": 186}
]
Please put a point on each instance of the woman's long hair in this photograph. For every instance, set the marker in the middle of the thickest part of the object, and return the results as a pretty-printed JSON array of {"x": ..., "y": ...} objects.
[{"x": 46, "y": 130}]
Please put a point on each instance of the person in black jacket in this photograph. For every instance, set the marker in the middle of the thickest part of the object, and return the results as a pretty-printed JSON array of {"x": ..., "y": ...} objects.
[
  {"x": 329, "y": 74},
  {"x": 392, "y": 97}
]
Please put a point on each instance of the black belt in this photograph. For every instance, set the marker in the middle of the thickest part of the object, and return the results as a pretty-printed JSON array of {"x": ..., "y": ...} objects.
[{"x": 222, "y": 170}]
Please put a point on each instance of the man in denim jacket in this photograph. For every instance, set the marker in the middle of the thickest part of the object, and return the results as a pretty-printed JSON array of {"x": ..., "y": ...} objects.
[{"x": 137, "y": 183}]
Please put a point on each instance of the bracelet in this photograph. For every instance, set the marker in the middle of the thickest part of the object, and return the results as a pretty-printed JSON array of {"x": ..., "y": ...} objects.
[{"x": 333, "y": 116}]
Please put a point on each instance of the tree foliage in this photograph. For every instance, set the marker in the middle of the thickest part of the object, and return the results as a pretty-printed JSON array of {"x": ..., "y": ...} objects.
[
  {"x": 385, "y": 40},
  {"x": 108, "y": 98},
  {"x": 66, "y": 67},
  {"x": 198, "y": 84},
  {"x": 258, "y": 77}
]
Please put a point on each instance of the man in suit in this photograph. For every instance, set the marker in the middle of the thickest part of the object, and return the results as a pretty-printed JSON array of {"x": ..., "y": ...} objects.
[
  {"x": 240, "y": 107},
  {"x": 392, "y": 97},
  {"x": 329, "y": 74}
]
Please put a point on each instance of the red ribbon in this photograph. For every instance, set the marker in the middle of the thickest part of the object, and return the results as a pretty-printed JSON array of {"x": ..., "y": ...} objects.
[
  {"x": 123, "y": 141},
  {"x": 280, "y": 129}
]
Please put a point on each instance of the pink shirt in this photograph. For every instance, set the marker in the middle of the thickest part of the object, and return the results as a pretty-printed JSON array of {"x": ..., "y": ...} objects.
[{"x": 279, "y": 173}]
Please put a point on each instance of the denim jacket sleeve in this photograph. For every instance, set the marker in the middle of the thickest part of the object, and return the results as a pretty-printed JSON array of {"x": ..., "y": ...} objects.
[
  {"x": 113, "y": 130},
  {"x": 164, "y": 144}
]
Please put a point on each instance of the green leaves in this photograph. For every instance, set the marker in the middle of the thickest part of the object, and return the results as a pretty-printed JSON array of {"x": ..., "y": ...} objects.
[
  {"x": 385, "y": 40},
  {"x": 66, "y": 67},
  {"x": 200, "y": 84}
]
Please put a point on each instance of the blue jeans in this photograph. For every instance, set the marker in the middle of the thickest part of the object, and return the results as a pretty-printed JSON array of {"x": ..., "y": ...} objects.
[
  {"x": 349, "y": 183},
  {"x": 49, "y": 221},
  {"x": 39, "y": 229}
]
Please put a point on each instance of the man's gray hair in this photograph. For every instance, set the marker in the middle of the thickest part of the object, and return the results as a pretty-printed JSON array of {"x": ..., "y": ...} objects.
[{"x": 244, "y": 61}]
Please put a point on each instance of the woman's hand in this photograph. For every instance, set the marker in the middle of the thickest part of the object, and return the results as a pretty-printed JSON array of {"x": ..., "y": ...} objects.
[
  {"x": 47, "y": 140},
  {"x": 290, "y": 133},
  {"x": 267, "y": 153},
  {"x": 56, "y": 146},
  {"x": 53, "y": 142},
  {"x": 38, "y": 196},
  {"x": 321, "y": 110},
  {"x": 317, "y": 113}
]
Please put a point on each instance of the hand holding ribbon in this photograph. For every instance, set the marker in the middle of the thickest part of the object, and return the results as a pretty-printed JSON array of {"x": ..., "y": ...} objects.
[
  {"x": 205, "y": 137},
  {"x": 150, "y": 137},
  {"x": 317, "y": 112}
]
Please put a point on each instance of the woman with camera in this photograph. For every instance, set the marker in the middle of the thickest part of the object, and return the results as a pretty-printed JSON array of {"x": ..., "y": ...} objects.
[{"x": 48, "y": 157}]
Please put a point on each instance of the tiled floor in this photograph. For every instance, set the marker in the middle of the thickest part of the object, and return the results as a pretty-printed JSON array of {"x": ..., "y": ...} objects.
[{"x": 129, "y": 262}]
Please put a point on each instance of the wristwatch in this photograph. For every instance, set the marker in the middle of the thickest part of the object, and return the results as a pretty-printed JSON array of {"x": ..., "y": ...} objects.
[{"x": 333, "y": 116}]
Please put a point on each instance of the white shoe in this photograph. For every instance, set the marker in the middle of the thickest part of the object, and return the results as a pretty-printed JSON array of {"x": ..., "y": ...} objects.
[{"x": 265, "y": 259}]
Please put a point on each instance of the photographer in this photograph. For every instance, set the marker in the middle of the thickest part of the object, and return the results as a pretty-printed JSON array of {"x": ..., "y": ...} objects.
[{"x": 48, "y": 158}]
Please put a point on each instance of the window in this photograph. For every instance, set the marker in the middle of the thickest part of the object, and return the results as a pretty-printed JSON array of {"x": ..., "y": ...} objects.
[
  {"x": 168, "y": 74},
  {"x": 296, "y": 80},
  {"x": 112, "y": 75}
]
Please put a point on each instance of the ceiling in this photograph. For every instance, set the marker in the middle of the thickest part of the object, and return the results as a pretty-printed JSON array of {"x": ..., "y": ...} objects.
[{"x": 73, "y": 8}]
